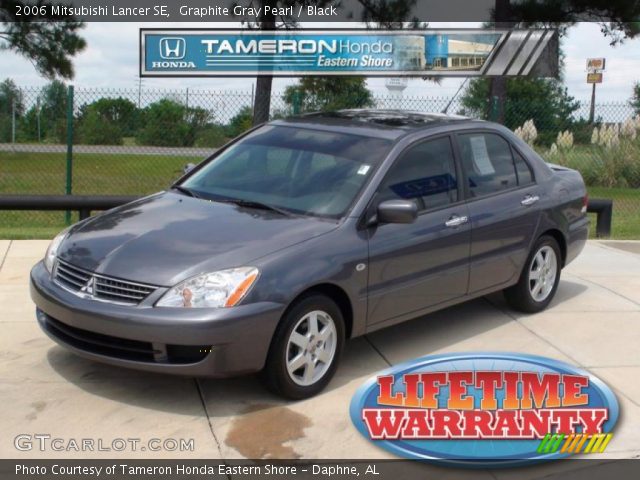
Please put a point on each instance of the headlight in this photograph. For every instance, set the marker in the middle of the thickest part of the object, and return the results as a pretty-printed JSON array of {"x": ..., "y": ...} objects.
[
  {"x": 52, "y": 251},
  {"x": 211, "y": 290}
]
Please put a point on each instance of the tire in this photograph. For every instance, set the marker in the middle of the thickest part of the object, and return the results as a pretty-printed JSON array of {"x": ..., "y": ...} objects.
[
  {"x": 534, "y": 290},
  {"x": 301, "y": 360}
]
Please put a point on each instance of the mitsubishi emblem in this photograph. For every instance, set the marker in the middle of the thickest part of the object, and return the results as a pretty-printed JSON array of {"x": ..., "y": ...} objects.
[{"x": 89, "y": 287}]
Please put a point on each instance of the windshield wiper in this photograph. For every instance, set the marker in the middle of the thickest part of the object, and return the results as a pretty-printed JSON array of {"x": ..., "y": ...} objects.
[
  {"x": 254, "y": 204},
  {"x": 186, "y": 191}
]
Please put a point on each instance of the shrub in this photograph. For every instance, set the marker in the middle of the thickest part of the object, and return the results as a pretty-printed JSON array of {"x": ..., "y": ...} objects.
[
  {"x": 241, "y": 122},
  {"x": 168, "y": 123},
  {"x": 212, "y": 136},
  {"x": 94, "y": 129}
]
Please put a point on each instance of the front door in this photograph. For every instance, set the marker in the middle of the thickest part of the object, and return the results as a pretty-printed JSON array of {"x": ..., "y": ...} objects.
[{"x": 416, "y": 266}]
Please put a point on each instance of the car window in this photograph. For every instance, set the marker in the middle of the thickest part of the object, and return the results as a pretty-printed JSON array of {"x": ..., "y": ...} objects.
[
  {"x": 487, "y": 162},
  {"x": 525, "y": 176},
  {"x": 424, "y": 172},
  {"x": 302, "y": 170},
  {"x": 278, "y": 160}
]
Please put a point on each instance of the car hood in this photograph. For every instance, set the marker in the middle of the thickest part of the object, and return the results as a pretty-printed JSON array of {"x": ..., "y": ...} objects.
[{"x": 166, "y": 238}]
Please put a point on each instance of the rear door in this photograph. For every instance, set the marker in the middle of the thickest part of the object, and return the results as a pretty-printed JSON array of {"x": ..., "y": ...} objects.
[
  {"x": 503, "y": 201},
  {"x": 416, "y": 266}
]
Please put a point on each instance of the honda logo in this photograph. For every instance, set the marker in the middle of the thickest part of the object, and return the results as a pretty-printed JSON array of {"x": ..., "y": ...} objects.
[{"x": 172, "y": 48}]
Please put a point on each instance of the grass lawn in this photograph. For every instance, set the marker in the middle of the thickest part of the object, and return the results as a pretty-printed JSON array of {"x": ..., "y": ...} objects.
[
  {"x": 93, "y": 174},
  {"x": 45, "y": 173},
  {"x": 626, "y": 211}
]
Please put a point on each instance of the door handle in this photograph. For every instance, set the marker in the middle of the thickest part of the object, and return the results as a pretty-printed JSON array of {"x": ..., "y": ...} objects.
[
  {"x": 529, "y": 200},
  {"x": 456, "y": 221}
]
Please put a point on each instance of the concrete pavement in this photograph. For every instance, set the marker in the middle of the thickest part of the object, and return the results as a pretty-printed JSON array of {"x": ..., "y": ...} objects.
[{"x": 594, "y": 322}]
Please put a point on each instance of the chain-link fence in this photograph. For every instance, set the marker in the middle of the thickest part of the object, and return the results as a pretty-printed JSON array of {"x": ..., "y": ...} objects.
[{"x": 136, "y": 141}]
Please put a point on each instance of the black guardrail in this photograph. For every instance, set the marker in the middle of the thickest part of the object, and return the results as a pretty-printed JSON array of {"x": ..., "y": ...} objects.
[{"x": 85, "y": 204}]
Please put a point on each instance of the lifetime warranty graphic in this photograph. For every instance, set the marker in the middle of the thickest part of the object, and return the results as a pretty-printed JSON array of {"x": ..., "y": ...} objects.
[
  {"x": 486, "y": 409},
  {"x": 361, "y": 52}
]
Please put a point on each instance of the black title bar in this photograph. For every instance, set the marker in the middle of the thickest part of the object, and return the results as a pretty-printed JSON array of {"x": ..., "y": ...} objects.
[{"x": 305, "y": 11}]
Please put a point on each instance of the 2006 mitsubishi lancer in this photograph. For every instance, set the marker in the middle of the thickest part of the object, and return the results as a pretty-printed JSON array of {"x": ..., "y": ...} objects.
[{"x": 306, "y": 232}]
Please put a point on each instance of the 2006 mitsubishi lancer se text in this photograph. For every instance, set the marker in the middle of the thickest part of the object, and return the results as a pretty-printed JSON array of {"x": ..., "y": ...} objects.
[{"x": 308, "y": 231}]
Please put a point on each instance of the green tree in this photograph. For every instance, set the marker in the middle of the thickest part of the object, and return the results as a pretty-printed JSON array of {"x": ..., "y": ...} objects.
[
  {"x": 214, "y": 135},
  {"x": 635, "y": 98},
  {"x": 53, "y": 114},
  {"x": 546, "y": 101},
  {"x": 95, "y": 129},
  {"x": 168, "y": 123},
  {"x": 119, "y": 110},
  {"x": 327, "y": 93},
  {"x": 48, "y": 42},
  {"x": 11, "y": 104},
  {"x": 106, "y": 121},
  {"x": 241, "y": 122},
  {"x": 29, "y": 126}
]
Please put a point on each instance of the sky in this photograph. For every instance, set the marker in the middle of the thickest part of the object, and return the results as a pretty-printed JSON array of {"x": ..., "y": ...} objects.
[{"x": 111, "y": 61}]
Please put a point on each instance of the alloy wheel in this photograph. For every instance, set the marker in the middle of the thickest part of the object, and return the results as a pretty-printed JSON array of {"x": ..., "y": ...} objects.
[
  {"x": 542, "y": 273},
  {"x": 311, "y": 348}
]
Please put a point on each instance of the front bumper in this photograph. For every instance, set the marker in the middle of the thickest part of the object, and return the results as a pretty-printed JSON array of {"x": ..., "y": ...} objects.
[{"x": 198, "y": 342}]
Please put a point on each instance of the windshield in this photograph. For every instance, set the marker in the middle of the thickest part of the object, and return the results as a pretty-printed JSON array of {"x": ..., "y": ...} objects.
[{"x": 303, "y": 171}]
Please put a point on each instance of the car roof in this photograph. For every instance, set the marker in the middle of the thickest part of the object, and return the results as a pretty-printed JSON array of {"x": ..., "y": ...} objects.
[{"x": 390, "y": 124}]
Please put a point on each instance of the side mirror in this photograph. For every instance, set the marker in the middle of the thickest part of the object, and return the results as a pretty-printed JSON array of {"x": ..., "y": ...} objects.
[
  {"x": 188, "y": 167},
  {"x": 397, "y": 211}
]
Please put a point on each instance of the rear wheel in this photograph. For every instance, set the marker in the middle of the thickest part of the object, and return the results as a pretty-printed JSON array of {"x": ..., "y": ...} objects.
[
  {"x": 306, "y": 348},
  {"x": 539, "y": 279}
]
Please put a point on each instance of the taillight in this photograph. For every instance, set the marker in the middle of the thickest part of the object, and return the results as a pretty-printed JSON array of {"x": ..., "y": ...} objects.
[{"x": 585, "y": 203}]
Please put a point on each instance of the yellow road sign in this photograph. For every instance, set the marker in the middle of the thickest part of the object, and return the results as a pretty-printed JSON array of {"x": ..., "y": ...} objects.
[{"x": 594, "y": 77}]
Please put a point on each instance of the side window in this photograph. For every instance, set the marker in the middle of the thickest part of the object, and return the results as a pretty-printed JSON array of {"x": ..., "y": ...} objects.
[
  {"x": 487, "y": 161},
  {"x": 424, "y": 172},
  {"x": 525, "y": 177}
]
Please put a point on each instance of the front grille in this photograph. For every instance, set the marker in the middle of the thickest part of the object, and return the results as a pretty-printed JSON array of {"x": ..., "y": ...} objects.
[
  {"x": 123, "y": 348},
  {"x": 118, "y": 290},
  {"x": 100, "y": 287},
  {"x": 71, "y": 277}
]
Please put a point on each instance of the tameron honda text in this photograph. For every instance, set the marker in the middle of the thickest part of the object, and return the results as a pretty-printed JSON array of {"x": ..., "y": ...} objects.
[{"x": 486, "y": 409}]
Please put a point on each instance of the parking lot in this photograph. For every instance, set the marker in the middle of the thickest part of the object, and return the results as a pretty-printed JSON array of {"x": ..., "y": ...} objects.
[{"x": 594, "y": 322}]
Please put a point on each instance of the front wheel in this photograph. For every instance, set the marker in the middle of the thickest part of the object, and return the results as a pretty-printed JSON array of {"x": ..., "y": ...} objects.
[
  {"x": 539, "y": 279},
  {"x": 306, "y": 348}
]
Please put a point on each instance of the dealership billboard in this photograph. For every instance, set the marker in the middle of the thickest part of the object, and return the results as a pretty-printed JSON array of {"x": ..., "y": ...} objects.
[{"x": 194, "y": 52}]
